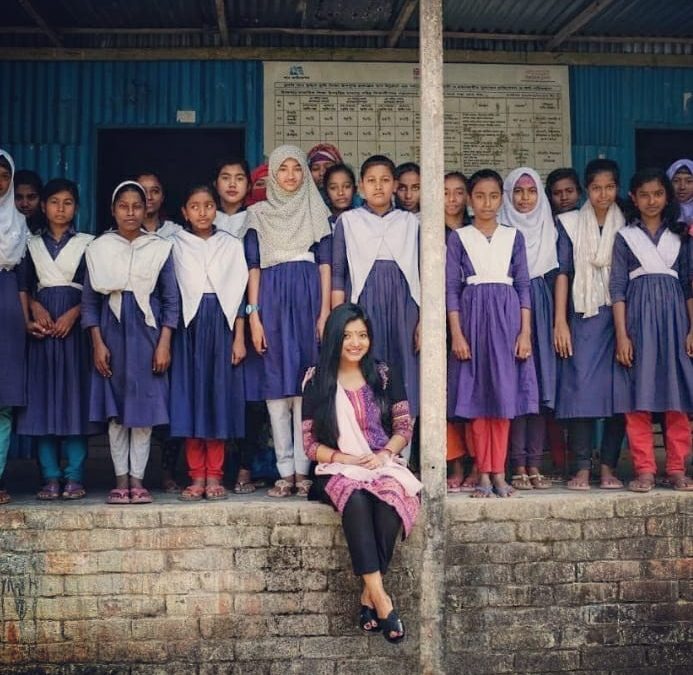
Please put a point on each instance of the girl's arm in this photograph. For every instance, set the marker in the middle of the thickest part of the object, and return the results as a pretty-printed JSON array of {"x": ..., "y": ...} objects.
[
  {"x": 523, "y": 344},
  {"x": 340, "y": 265},
  {"x": 618, "y": 284},
  {"x": 402, "y": 426},
  {"x": 562, "y": 340},
  {"x": 238, "y": 350},
  {"x": 689, "y": 337},
  {"x": 519, "y": 271},
  {"x": 624, "y": 345},
  {"x": 453, "y": 296},
  {"x": 167, "y": 288},
  {"x": 252, "y": 256},
  {"x": 324, "y": 259}
]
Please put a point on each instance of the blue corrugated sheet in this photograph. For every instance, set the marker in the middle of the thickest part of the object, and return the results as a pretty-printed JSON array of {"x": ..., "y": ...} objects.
[
  {"x": 51, "y": 111},
  {"x": 609, "y": 103}
]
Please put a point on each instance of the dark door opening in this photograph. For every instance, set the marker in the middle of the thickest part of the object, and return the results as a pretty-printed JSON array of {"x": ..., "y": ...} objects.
[
  {"x": 661, "y": 147},
  {"x": 180, "y": 157}
]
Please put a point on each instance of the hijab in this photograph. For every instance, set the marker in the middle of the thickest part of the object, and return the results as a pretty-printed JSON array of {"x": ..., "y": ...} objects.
[
  {"x": 537, "y": 226},
  {"x": 686, "y": 207},
  {"x": 259, "y": 193},
  {"x": 288, "y": 223},
  {"x": 14, "y": 233}
]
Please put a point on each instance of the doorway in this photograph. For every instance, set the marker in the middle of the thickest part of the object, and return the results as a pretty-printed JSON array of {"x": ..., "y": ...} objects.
[{"x": 661, "y": 147}]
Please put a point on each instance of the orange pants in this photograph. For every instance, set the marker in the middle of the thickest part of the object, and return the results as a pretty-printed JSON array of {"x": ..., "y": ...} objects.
[
  {"x": 458, "y": 441},
  {"x": 205, "y": 458},
  {"x": 490, "y": 438},
  {"x": 677, "y": 441}
]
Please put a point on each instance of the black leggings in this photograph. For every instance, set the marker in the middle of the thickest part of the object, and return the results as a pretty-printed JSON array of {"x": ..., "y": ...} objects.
[
  {"x": 170, "y": 447},
  {"x": 580, "y": 432},
  {"x": 371, "y": 527},
  {"x": 250, "y": 445}
]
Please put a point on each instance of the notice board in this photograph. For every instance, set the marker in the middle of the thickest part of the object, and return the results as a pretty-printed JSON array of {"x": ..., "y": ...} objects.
[{"x": 496, "y": 116}]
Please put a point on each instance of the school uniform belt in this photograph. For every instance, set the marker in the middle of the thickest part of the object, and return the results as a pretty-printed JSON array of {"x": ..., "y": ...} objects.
[{"x": 478, "y": 279}]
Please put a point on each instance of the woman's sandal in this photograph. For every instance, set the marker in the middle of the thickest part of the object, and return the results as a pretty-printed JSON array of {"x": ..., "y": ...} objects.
[
  {"x": 140, "y": 495},
  {"x": 504, "y": 491},
  {"x": 192, "y": 493},
  {"x": 641, "y": 484},
  {"x": 367, "y": 616},
  {"x": 520, "y": 481},
  {"x": 74, "y": 490},
  {"x": 282, "y": 488},
  {"x": 170, "y": 487},
  {"x": 483, "y": 492},
  {"x": 118, "y": 496},
  {"x": 469, "y": 484},
  {"x": 244, "y": 488},
  {"x": 680, "y": 482},
  {"x": 4, "y": 497},
  {"x": 610, "y": 483},
  {"x": 49, "y": 492},
  {"x": 392, "y": 624},
  {"x": 578, "y": 484},
  {"x": 215, "y": 493},
  {"x": 539, "y": 482},
  {"x": 303, "y": 487},
  {"x": 454, "y": 484}
]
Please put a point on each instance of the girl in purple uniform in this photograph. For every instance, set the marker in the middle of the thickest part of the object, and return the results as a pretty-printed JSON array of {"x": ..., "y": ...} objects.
[
  {"x": 130, "y": 307},
  {"x": 584, "y": 326},
  {"x": 680, "y": 174},
  {"x": 653, "y": 314},
  {"x": 288, "y": 253},
  {"x": 58, "y": 355},
  {"x": 526, "y": 207},
  {"x": 13, "y": 308},
  {"x": 489, "y": 315},
  {"x": 207, "y": 392}
]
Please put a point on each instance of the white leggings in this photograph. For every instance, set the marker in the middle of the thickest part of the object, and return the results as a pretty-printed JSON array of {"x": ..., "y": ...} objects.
[
  {"x": 288, "y": 437},
  {"x": 129, "y": 449}
]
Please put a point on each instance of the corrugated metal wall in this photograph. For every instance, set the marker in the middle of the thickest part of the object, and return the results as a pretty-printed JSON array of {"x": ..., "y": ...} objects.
[
  {"x": 609, "y": 103},
  {"x": 51, "y": 111}
]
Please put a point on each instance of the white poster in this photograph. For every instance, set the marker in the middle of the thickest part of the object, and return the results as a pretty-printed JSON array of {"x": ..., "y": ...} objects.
[{"x": 496, "y": 116}]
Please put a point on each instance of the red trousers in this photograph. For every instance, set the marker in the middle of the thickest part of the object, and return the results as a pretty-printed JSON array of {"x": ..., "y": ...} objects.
[
  {"x": 458, "y": 441},
  {"x": 205, "y": 458},
  {"x": 490, "y": 439},
  {"x": 677, "y": 441}
]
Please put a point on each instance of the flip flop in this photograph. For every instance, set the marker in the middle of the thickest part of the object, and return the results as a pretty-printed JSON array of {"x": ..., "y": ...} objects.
[
  {"x": 192, "y": 493},
  {"x": 641, "y": 485},
  {"x": 118, "y": 496},
  {"x": 539, "y": 482},
  {"x": 215, "y": 493},
  {"x": 578, "y": 486},
  {"x": 49, "y": 492},
  {"x": 244, "y": 488},
  {"x": 483, "y": 492},
  {"x": 610, "y": 483},
  {"x": 680, "y": 482},
  {"x": 140, "y": 495},
  {"x": 74, "y": 490},
  {"x": 504, "y": 491}
]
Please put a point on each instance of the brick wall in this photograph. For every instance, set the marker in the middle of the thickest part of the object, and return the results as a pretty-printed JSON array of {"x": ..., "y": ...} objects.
[{"x": 547, "y": 583}]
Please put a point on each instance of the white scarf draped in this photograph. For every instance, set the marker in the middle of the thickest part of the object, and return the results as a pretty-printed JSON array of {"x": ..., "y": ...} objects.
[
  {"x": 591, "y": 256},
  {"x": 235, "y": 225},
  {"x": 288, "y": 223},
  {"x": 14, "y": 233},
  {"x": 366, "y": 234},
  {"x": 221, "y": 260},
  {"x": 61, "y": 270},
  {"x": 352, "y": 442},
  {"x": 168, "y": 229},
  {"x": 537, "y": 226},
  {"x": 653, "y": 259},
  {"x": 116, "y": 264}
]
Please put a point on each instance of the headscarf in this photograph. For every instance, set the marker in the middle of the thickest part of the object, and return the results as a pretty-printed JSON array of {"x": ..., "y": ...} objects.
[
  {"x": 686, "y": 207},
  {"x": 14, "y": 233},
  {"x": 537, "y": 226},
  {"x": 259, "y": 193},
  {"x": 288, "y": 223},
  {"x": 324, "y": 152}
]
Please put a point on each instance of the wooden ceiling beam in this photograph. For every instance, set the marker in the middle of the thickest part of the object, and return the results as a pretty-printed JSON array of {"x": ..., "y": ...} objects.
[
  {"x": 221, "y": 22},
  {"x": 42, "y": 23},
  {"x": 401, "y": 22},
  {"x": 577, "y": 22}
]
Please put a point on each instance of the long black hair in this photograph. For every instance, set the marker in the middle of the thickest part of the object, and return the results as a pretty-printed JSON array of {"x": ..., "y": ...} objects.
[
  {"x": 326, "y": 373},
  {"x": 671, "y": 215}
]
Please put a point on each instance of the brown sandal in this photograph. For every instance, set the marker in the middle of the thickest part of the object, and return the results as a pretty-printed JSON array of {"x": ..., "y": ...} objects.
[
  {"x": 282, "y": 488},
  {"x": 680, "y": 482},
  {"x": 520, "y": 481},
  {"x": 641, "y": 483},
  {"x": 538, "y": 481},
  {"x": 303, "y": 487},
  {"x": 192, "y": 493},
  {"x": 215, "y": 492}
]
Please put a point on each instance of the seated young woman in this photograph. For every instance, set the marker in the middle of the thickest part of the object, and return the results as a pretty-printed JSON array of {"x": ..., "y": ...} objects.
[{"x": 355, "y": 424}]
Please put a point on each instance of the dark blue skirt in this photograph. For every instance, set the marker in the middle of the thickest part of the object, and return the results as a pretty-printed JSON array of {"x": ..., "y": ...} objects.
[{"x": 12, "y": 342}]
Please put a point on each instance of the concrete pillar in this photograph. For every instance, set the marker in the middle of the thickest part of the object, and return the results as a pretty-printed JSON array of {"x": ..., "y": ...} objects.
[{"x": 433, "y": 361}]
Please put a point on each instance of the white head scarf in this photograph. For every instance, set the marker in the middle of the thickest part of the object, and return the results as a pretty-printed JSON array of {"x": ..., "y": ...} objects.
[
  {"x": 686, "y": 207},
  {"x": 14, "y": 233},
  {"x": 288, "y": 223},
  {"x": 537, "y": 226}
]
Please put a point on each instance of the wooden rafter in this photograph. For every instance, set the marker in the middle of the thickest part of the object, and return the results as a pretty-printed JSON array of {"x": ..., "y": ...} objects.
[
  {"x": 401, "y": 22},
  {"x": 577, "y": 22},
  {"x": 221, "y": 22},
  {"x": 45, "y": 28}
]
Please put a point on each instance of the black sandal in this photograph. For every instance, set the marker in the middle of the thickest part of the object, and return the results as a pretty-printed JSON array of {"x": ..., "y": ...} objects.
[
  {"x": 367, "y": 615},
  {"x": 392, "y": 624}
]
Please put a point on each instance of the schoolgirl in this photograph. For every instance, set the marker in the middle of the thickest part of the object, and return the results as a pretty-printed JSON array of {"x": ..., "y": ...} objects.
[
  {"x": 680, "y": 173},
  {"x": 27, "y": 198},
  {"x": 130, "y": 306},
  {"x": 653, "y": 314},
  {"x": 58, "y": 359},
  {"x": 526, "y": 207},
  {"x": 258, "y": 185},
  {"x": 458, "y": 445},
  {"x": 489, "y": 315},
  {"x": 232, "y": 183},
  {"x": 375, "y": 263},
  {"x": 408, "y": 193},
  {"x": 563, "y": 190},
  {"x": 584, "y": 327},
  {"x": 14, "y": 315},
  {"x": 207, "y": 391},
  {"x": 288, "y": 253},
  {"x": 340, "y": 190},
  {"x": 320, "y": 158},
  {"x": 156, "y": 222}
]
